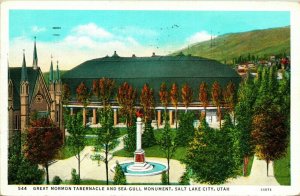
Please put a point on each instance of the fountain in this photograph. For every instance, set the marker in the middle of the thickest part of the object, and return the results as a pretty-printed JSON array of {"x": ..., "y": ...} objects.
[{"x": 139, "y": 167}]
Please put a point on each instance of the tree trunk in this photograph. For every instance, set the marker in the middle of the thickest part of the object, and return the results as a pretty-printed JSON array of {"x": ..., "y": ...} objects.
[
  {"x": 246, "y": 160},
  {"x": 106, "y": 163},
  {"x": 47, "y": 173}
]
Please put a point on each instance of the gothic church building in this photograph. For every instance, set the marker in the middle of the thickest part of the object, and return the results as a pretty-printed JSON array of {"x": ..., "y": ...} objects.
[{"x": 29, "y": 96}]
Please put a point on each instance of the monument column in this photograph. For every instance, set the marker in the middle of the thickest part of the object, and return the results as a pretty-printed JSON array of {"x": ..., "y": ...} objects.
[
  {"x": 139, "y": 134},
  {"x": 94, "y": 116},
  {"x": 115, "y": 117},
  {"x": 171, "y": 117},
  {"x": 158, "y": 117}
]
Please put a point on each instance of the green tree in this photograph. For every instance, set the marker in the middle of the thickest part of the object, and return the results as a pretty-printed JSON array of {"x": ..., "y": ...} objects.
[
  {"x": 244, "y": 113},
  {"x": 186, "y": 130},
  {"x": 130, "y": 138},
  {"x": 76, "y": 140},
  {"x": 20, "y": 170},
  {"x": 209, "y": 155},
  {"x": 185, "y": 178},
  {"x": 75, "y": 177},
  {"x": 43, "y": 142},
  {"x": 119, "y": 177},
  {"x": 107, "y": 135},
  {"x": 167, "y": 144},
  {"x": 148, "y": 137},
  {"x": 270, "y": 131}
]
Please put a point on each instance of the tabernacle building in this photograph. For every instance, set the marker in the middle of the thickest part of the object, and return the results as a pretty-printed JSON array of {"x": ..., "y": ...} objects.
[{"x": 152, "y": 70}]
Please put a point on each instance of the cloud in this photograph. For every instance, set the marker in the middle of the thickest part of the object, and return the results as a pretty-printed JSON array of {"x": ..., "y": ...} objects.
[
  {"x": 135, "y": 31},
  {"x": 36, "y": 29},
  {"x": 92, "y": 30},
  {"x": 199, "y": 37}
]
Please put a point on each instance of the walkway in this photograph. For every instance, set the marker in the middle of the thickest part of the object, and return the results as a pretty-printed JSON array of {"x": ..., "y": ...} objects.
[{"x": 96, "y": 170}]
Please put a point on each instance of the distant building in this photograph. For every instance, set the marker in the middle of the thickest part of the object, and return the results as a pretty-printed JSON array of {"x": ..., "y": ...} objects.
[
  {"x": 153, "y": 70},
  {"x": 29, "y": 96}
]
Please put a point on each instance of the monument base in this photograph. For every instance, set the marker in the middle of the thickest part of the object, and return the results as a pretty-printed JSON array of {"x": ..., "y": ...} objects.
[{"x": 139, "y": 162}]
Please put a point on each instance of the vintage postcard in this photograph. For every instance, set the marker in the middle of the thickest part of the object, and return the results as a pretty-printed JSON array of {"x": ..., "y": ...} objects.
[{"x": 146, "y": 97}]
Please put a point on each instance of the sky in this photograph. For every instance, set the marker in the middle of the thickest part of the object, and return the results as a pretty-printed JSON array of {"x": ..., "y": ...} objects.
[{"x": 89, "y": 34}]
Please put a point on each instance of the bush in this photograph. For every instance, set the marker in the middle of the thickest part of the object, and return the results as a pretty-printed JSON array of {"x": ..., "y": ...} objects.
[
  {"x": 186, "y": 130},
  {"x": 148, "y": 137},
  {"x": 130, "y": 139},
  {"x": 164, "y": 178},
  {"x": 185, "y": 178},
  {"x": 75, "y": 177},
  {"x": 119, "y": 178},
  {"x": 56, "y": 180}
]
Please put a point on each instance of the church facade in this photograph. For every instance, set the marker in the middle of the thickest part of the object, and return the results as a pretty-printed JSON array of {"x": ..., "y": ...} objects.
[{"x": 30, "y": 97}]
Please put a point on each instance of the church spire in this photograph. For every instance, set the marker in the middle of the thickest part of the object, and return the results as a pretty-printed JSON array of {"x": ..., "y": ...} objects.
[
  {"x": 24, "y": 76},
  {"x": 57, "y": 73},
  {"x": 51, "y": 72},
  {"x": 35, "y": 58}
]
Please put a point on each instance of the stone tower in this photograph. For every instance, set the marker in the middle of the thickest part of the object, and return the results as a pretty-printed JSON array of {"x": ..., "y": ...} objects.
[
  {"x": 52, "y": 93},
  {"x": 58, "y": 98},
  {"x": 10, "y": 106},
  {"x": 24, "y": 96},
  {"x": 35, "y": 58}
]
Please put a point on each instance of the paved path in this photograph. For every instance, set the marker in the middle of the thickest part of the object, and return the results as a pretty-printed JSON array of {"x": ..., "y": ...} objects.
[{"x": 96, "y": 170}]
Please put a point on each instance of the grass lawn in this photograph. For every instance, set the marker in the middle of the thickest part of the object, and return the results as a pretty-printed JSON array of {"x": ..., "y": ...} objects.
[
  {"x": 154, "y": 151},
  {"x": 282, "y": 169},
  {"x": 249, "y": 166},
  {"x": 65, "y": 152},
  {"x": 103, "y": 182}
]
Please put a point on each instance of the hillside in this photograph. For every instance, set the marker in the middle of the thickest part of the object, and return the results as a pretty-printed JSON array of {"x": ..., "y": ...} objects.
[
  {"x": 262, "y": 43},
  {"x": 46, "y": 75}
]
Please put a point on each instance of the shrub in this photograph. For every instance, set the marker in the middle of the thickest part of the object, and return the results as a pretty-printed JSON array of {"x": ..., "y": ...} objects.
[
  {"x": 119, "y": 178},
  {"x": 185, "y": 178},
  {"x": 148, "y": 137},
  {"x": 186, "y": 130},
  {"x": 56, "y": 180},
  {"x": 75, "y": 177},
  {"x": 164, "y": 178}
]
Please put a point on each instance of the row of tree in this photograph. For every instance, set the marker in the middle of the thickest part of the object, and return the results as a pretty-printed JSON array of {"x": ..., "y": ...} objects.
[{"x": 262, "y": 128}]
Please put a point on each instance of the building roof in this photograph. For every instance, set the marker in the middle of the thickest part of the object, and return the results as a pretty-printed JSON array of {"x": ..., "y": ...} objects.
[
  {"x": 15, "y": 76},
  {"x": 152, "y": 70}
]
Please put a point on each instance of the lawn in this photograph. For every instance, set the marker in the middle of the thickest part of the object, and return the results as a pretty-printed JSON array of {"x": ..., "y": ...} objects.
[
  {"x": 282, "y": 169},
  {"x": 154, "y": 151},
  {"x": 103, "y": 182}
]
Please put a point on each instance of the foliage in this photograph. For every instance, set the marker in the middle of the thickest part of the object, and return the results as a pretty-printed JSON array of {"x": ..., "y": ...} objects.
[
  {"x": 167, "y": 144},
  {"x": 270, "y": 127},
  {"x": 203, "y": 95},
  {"x": 216, "y": 94},
  {"x": 164, "y": 95},
  {"x": 20, "y": 170},
  {"x": 209, "y": 155},
  {"x": 76, "y": 139},
  {"x": 148, "y": 138},
  {"x": 56, "y": 180},
  {"x": 106, "y": 135},
  {"x": 186, "y": 130},
  {"x": 174, "y": 99},
  {"x": 104, "y": 90},
  {"x": 164, "y": 178},
  {"x": 119, "y": 178},
  {"x": 130, "y": 139},
  {"x": 66, "y": 94},
  {"x": 75, "y": 177},
  {"x": 244, "y": 112},
  {"x": 186, "y": 95},
  {"x": 147, "y": 101},
  {"x": 82, "y": 93},
  {"x": 126, "y": 98},
  {"x": 43, "y": 142},
  {"x": 185, "y": 178},
  {"x": 229, "y": 96}
]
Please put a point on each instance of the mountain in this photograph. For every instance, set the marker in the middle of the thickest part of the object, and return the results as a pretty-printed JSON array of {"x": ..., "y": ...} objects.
[{"x": 261, "y": 43}]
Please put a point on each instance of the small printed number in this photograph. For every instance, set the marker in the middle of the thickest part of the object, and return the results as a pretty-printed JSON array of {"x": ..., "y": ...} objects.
[{"x": 22, "y": 188}]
